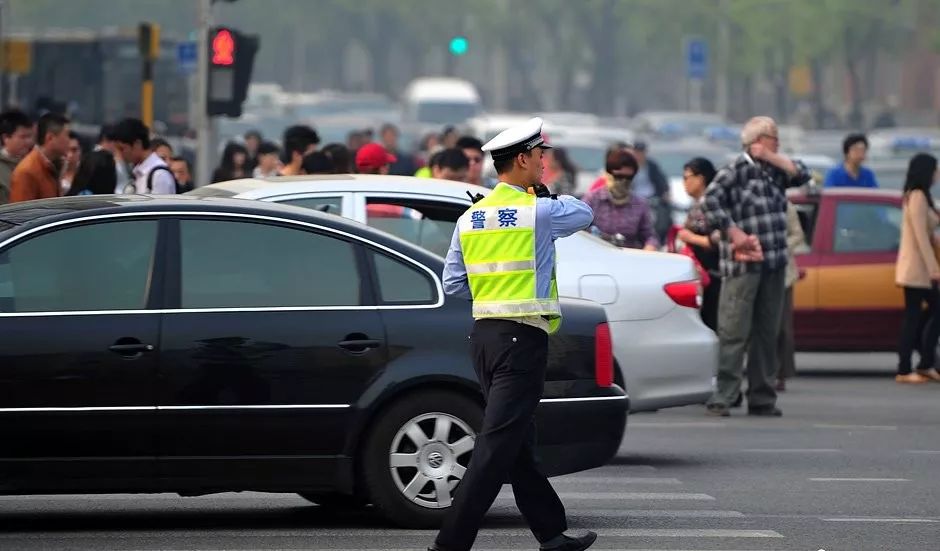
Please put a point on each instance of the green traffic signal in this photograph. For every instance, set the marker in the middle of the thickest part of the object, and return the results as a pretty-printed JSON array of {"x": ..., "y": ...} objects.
[{"x": 459, "y": 45}]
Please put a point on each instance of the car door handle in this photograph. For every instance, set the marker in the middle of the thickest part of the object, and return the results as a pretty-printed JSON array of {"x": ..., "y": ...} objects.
[
  {"x": 131, "y": 349},
  {"x": 359, "y": 345}
]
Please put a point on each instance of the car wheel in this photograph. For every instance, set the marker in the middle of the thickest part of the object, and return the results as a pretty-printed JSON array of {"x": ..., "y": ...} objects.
[
  {"x": 417, "y": 454},
  {"x": 334, "y": 500}
]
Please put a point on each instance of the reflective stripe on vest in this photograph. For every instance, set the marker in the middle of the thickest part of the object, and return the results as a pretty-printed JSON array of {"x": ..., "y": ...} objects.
[{"x": 497, "y": 237}]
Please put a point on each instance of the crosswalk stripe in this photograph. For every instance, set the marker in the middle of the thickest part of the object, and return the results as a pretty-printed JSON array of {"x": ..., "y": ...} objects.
[
  {"x": 677, "y": 425},
  {"x": 654, "y": 513},
  {"x": 652, "y": 496},
  {"x": 891, "y": 520},
  {"x": 855, "y": 427},
  {"x": 615, "y": 481},
  {"x": 385, "y": 533},
  {"x": 860, "y": 480},
  {"x": 792, "y": 450}
]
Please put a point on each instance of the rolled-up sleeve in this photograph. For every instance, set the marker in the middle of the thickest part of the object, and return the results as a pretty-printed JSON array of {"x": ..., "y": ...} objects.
[
  {"x": 569, "y": 215},
  {"x": 455, "y": 272},
  {"x": 802, "y": 176}
]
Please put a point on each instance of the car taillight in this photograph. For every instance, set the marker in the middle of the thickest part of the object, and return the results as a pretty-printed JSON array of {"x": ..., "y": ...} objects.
[
  {"x": 685, "y": 293},
  {"x": 603, "y": 356}
]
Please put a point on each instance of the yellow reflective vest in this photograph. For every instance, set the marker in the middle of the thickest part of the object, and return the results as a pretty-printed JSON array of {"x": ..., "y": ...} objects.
[{"x": 497, "y": 238}]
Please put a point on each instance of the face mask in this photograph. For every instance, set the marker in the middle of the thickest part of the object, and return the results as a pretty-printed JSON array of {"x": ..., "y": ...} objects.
[{"x": 620, "y": 190}]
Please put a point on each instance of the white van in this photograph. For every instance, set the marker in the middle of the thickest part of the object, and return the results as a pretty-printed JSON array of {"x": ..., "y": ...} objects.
[{"x": 440, "y": 101}]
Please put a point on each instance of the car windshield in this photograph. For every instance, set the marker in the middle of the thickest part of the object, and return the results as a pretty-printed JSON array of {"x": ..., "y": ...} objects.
[
  {"x": 672, "y": 161},
  {"x": 586, "y": 157},
  {"x": 890, "y": 177},
  {"x": 445, "y": 112}
]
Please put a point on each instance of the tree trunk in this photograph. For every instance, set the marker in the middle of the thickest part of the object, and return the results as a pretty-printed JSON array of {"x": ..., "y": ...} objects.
[
  {"x": 856, "y": 117},
  {"x": 871, "y": 61},
  {"x": 819, "y": 107},
  {"x": 378, "y": 43}
]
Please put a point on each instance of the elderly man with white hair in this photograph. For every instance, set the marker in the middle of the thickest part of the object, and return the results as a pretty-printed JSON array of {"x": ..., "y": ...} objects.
[{"x": 747, "y": 202}]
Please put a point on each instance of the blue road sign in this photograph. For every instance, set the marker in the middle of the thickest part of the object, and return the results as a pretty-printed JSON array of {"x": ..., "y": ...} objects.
[
  {"x": 186, "y": 57},
  {"x": 696, "y": 58}
]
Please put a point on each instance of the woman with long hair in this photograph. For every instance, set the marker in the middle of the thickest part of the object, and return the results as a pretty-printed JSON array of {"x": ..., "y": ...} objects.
[
  {"x": 96, "y": 175},
  {"x": 918, "y": 271},
  {"x": 560, "y": 173},
  {"x": 697, "y": 174},
  {"x": 234, "y": 164}
]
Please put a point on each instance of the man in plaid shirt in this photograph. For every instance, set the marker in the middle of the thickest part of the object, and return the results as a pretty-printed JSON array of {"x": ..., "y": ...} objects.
[{"x": 747, "y": 202}]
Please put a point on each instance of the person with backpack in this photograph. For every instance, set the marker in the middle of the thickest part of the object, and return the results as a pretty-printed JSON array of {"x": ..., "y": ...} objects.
[{"x": 151, "y": 173}]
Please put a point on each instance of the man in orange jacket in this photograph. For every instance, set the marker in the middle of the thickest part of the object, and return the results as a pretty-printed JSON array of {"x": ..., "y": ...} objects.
[{"x": 37, "y": 175}]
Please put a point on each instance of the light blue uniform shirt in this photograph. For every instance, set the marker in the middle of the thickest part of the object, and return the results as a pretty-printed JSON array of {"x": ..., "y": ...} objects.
[{"x": 554, "y": 218}]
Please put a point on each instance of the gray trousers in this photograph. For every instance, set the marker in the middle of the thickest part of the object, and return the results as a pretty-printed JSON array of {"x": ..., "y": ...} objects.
[{"x": 749, "y": 315}]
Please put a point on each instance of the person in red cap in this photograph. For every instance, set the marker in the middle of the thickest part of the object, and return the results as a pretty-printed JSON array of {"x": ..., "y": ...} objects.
[{"x": 372, "y": 158}]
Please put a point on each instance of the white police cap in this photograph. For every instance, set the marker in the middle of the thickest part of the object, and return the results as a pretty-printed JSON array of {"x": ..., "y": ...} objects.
[{"x": 518, "y": 139}]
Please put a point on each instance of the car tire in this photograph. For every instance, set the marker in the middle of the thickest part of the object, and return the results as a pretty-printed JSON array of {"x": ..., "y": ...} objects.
[
  {"x": 334, "y": 500},
  {"x": 417, "y": 453}
]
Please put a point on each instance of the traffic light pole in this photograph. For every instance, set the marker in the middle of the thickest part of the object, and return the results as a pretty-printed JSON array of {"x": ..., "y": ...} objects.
[
  {"x": 146, "y": 94},
  {"x": 203, "y": 122}
]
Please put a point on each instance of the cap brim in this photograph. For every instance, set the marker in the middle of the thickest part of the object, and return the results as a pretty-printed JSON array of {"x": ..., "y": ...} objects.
[{"x": 389, "y": 158}]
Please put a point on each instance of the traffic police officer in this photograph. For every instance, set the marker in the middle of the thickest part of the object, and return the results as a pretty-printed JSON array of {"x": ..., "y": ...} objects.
[{"x": 503, "y": 258}]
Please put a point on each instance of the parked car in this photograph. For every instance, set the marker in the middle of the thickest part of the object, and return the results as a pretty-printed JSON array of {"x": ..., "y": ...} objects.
[
  {"x": 667, "y": 356},
  {"x": 848, "y": 299},
  {"x": 200, "y": 345}
]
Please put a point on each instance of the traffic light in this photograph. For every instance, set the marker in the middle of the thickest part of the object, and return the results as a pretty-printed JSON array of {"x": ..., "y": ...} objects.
[
  {"x": 231, "y": 60},
  {"x": 459, "y": 45},
  {"x": 148, "y": 41}
]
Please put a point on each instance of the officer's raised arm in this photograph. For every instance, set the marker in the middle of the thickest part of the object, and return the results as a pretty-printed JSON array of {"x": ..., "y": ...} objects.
[{"x": 569, "y": 216}]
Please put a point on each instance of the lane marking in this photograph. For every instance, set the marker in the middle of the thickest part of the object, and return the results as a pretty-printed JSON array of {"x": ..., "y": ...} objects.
[
  {"x": 934, "y": 452},
  {"x": 601, "y": 496},
  {"x": 792, "y": 450},
  {"x": 860, "y": 479},
  {"x": 855, "y": 427}
]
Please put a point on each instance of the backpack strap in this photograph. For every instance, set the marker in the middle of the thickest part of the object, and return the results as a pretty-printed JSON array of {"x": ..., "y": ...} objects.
[{"x": 154, "y": 170}]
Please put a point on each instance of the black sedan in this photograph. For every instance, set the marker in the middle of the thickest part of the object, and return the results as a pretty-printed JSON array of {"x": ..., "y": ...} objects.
[{"x": 206, "y": 345}]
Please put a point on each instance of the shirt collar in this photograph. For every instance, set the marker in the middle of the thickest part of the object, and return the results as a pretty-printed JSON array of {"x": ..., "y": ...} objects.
[{"x": 152, "y": 160}]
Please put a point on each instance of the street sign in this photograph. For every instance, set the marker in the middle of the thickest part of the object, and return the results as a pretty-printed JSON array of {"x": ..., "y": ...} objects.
[
  {"x": 186, "y": 57},
  {"x": 17, "y": 56},
  {"x": 696, "y": 59}
]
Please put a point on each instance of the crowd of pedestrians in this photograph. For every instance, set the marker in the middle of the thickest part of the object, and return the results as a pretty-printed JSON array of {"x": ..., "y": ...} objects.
[{"x": 741, "y": 231}]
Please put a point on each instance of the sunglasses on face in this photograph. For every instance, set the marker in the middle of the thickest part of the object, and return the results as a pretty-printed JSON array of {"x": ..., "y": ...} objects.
[{"x": 623, "y": 177}]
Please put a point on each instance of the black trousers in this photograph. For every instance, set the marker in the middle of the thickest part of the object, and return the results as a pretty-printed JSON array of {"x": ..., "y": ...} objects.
[
  {"x": 709, "y": 309},
  {"x": 510, "y": 361},
  {"x": 914, "y": 300},
  {"x": 786, "y": 342}
]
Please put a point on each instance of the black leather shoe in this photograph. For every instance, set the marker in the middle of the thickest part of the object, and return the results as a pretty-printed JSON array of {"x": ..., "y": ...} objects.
[
  {"x": 579, "y": 543},
  {"x": 769, "y": 411}
]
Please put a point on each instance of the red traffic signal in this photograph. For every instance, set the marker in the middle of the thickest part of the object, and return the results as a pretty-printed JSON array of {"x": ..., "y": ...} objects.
[{"x": 223, "y": 48}]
